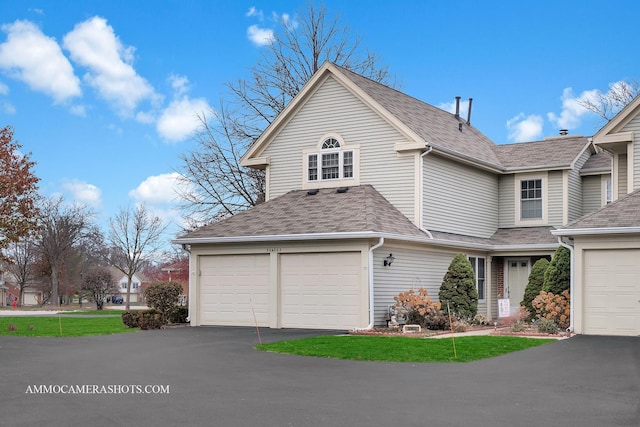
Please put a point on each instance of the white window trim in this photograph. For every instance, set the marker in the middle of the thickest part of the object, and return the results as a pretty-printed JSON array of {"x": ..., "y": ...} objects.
[
  {"x": 475, "y": 272},
  {"x": 604, "y": 180},
  {"x": 545, "y": 198},
  {"x": 335, "y": 182}
]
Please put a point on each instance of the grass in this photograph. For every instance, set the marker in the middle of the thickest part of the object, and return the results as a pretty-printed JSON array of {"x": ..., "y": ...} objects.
[
  {"x": 401, "y": 349},
  {"x": 71, "y": 326}
]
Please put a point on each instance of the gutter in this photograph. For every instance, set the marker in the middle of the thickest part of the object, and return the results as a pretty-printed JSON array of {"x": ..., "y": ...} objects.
[
  {"x": 595, "y": 231},
  {"x": 571, "y": 283},
  {"x": 421, "y": 196},
  {"x": 371, "y": 298}
]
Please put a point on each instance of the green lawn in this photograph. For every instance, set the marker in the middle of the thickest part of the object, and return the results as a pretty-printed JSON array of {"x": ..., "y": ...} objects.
[
  {"x": 401, "y": 349},
  {"x": 71, "y": 326}
]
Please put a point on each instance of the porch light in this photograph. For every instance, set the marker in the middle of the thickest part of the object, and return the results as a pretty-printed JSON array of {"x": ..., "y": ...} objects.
[{"x": 389, "y": 260}]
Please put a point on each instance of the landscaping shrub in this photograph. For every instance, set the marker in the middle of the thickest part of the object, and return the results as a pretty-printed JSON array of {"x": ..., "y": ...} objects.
[
  {"x": 557, "y": 277},
  {"x": 179, "y": 315},
  {"x": 130, "y": 319},
  {"x": 520, "y": 320},
  {"x": 479, "y": 319},
  {"x": 163, "y": 296},
  {"x": 150, "y": 319},
  {"x": 459, "y": 288},
  {"x": 419, "y": 309},
  {"x": 555, "y": 307},
  {"x": 547, "y": 326},
  {"x": 534, "y": 285}
]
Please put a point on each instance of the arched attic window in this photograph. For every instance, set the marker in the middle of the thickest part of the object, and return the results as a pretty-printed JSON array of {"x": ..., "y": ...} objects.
[{"x": 333, "y": 162}]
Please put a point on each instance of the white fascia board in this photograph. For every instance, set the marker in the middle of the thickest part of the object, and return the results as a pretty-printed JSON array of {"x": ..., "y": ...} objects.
[{"x": 595, "y": 231}]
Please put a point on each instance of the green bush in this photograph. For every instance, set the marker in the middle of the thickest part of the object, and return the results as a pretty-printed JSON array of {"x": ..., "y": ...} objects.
[
  {"x": 459, "y": 289},
  {"x": 534, "y": 285},
  {"x": 547, "y": 326},
  {"x": 179, "y": 315},
  {"x": 557, "y": 277},
  {"x": 130, "y": 319},
  {"x": 150, "y": 319},
  {"x": 163, "y": 296}
]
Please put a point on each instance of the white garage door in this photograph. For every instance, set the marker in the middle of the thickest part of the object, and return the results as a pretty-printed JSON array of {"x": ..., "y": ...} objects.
[
  {"x": 612, "y": 292},
  {"x": 232, "y": 288},
  {"x": 320, "y": 290}
]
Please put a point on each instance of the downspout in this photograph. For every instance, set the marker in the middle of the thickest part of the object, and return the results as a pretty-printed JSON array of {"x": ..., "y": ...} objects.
[
  {"x": 571, "y": 282},
  {"x": 421, "y": 198},
  {"x": 187, "y": 249},
  {"x": 371, "y": 299}
]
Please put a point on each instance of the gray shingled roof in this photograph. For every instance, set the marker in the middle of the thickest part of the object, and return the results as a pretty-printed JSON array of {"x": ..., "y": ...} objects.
[
  {"x": 597, "y": 163},
  {"x": 518, "y": 236},
  {"x": 624, "y": 212},
  {"x": 360, "y": 209},
  {"x": 438, "y": 127},
  {"x": 556, "y": 152}
]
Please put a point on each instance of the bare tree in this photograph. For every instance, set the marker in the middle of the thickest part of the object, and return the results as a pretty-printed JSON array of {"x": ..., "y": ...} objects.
[
  {"x": 99, "y": 284},
  {"x": 63, "y": 227},
  {"x": 21, "y": 258},
  {"x": 608, "y": 104},
  {"x": 216, "y": 185},
  {"x": 134, "y": 238}
]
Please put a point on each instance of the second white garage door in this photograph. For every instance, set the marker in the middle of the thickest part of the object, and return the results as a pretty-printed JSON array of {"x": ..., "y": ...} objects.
[
  {"x": 320, "y": 290},
  {"x": 233, "y": 288},
  {"x": 612, "y": 292}
]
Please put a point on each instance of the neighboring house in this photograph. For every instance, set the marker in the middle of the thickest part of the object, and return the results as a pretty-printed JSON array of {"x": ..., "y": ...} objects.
[
  {"x": 359, "y": 174},
  {"x": 606, "y": 243},
  {"x": 137, "y": 282}
]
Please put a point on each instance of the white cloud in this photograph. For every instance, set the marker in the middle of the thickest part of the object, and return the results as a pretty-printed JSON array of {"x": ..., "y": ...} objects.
[
  {"x": 93, "y": 44},
  {"x": 78, "y": 110},
  {"x": 37, "y": 60},
  {"x": 180, "y": 119},
  {"x": 451, "y": 107},
  {"x": 83, "y": 192},
  {"x": 4, "y": 89},
  {"x": 572, "y": 111},
  {"x": 158, "y": 189},
  {"x": 179, "y": 84},
  {"x": 525, "y": 128},
  {"x": 255, "y": 12},
  {"x": 260, "y": 36},
  {"x": 7, "y": 107}
]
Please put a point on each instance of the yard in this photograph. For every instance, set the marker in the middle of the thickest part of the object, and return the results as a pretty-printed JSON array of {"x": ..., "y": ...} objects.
[{"x": 62, "y": 326}]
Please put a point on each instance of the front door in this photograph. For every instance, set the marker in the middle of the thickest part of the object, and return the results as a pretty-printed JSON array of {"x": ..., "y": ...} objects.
[{"x": 517, "y": 278}]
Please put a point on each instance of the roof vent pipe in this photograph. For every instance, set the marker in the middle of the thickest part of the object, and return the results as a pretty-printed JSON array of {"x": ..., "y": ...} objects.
[
  {"x": 457, "y": 107},
  {"x": 469, "y": 114}
]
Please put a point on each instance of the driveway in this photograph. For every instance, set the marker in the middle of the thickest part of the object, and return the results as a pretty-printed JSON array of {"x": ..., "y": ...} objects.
[{"x": 216, "y": 378}]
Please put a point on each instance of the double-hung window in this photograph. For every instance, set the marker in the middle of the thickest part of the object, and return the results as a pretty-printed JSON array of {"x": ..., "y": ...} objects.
[
  {"x": 531, "y": 199},
  {"x": 333, "y": 162},
  {"x": 479, "y": 268}
]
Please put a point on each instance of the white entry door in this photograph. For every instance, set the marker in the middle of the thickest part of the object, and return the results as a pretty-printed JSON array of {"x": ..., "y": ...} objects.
[{"x": 517, "y": 278}]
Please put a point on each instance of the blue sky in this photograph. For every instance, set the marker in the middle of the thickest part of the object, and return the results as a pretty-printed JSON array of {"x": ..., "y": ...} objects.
[{"x": 104, "y": 93}]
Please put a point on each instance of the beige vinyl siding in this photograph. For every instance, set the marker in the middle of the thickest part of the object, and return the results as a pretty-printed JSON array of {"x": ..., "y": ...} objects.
[
  {"x": 555, "y": 199},
  {"x": 333, "y": 109},
  {"x": 622, "y": 175},
  {"x": 591, "y": 193},
  {"x": 506, "y": 208},
  {"x": 634, "y": 126},
  {"x": 575, "y": 187},
  {"x": 412, "y": 269},
  {"x": 459, "y": 198}
]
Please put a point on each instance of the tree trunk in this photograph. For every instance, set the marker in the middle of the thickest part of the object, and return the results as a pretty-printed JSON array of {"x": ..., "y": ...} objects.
[
  {"x": 128, "y": 293},
  {"x": 54, "y": 285}
]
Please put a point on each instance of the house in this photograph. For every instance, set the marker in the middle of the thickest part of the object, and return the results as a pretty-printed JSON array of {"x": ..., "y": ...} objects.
[
  {"x": 371, "y": 192},
  {"x": 137, "y": 281},
  {"x": 606, "y": 243}
]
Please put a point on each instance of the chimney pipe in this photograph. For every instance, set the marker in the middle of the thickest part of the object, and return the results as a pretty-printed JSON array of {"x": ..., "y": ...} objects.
[
  {"x": 469, "y": 114},
  {"x": 457, "y": 107},
  {"x": 564, "y": 132}
]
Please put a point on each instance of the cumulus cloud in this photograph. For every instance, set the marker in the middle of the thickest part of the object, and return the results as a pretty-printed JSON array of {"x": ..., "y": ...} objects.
[
  {"x": 94, "y": 45},
  {"x": 260, "y": 36},
  {"x": 572, "y": 110},
  {"x": 37, "y": 60},
  {"x": 525, "y": 128},
  {"x": 83, "y": 192},
  {"x": 158, "y": 189},
  {"x": 180, "y": 119},
  {"x": 179, "y": 84}
]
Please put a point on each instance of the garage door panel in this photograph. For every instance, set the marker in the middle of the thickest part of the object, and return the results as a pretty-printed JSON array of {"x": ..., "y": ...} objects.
[
  {"x": 320, "y": 290},
  {"x": 233, "y": 288},
  {"x": 612, "y": 292}
]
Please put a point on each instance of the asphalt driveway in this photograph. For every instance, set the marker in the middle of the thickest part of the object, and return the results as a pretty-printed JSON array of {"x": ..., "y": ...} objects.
[{"x": 216, "y": 378}]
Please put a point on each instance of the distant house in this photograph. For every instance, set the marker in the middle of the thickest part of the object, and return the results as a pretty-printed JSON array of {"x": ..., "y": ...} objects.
[
  {"x": 371, "y": 192},
  {"x": 137, "y": 281}
]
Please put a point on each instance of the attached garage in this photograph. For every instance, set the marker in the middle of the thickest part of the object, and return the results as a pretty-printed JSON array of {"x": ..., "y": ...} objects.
[
  {"x": 233, "y": 288},
  {"x": 611, "y": 292},
  {"x": 320, "y": 290}
]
